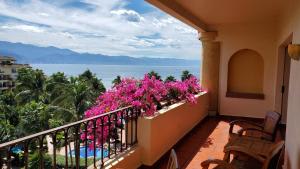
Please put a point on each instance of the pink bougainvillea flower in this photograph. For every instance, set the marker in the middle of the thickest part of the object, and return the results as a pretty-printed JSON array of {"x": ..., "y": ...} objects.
[{"x": 145, "y": 94}]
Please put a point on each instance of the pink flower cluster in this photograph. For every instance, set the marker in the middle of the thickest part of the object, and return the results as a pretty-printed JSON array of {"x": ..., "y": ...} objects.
[
  {"x": 185, "y": 90},
  {"x": 145, "y": 94}
]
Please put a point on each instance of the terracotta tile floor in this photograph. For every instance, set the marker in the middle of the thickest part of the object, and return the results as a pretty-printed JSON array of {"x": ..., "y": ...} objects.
[{"x": 205, "y": 141}]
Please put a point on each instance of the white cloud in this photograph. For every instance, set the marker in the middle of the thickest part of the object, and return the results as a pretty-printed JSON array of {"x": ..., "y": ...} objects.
[
  {"x": 109, "y": 29},
  {"x": 43, "y": 14},
  {"x": 130, "y": 15},
  {"x": 26, "y": 28}
]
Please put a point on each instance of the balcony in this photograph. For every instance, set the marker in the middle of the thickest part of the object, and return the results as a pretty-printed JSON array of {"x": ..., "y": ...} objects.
[
  {"x": 136, "y": 142},
  {"x": 5, "y": 77},
  {"x": 4, "y": 63},
  {"x": 141, "y": 142},
  {"x": 247, "y": 70}
]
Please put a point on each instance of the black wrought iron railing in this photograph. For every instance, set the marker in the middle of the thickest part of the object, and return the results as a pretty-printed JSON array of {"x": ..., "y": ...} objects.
[{"x": 89, "y": 142}]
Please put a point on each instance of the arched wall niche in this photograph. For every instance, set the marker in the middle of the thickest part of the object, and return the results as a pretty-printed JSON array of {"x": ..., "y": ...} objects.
[{"x": 245, "y": 75}]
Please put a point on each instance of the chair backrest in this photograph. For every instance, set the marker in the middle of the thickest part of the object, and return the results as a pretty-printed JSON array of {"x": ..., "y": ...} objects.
[
  {"x": 271, "y": 123},
  {"x": 272, "y": 161},
  {"x": 173, "y": 162}
]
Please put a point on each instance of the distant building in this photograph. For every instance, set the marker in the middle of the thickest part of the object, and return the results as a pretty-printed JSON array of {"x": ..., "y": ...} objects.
[{"x": 9, "y": 72}]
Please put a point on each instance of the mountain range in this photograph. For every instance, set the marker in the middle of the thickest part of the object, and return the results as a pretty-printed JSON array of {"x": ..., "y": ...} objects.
[{"x": 31, "y": 54}]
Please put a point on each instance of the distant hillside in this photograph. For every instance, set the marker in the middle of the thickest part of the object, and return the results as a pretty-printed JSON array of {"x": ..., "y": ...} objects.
[{"x": 31, "y": 54}]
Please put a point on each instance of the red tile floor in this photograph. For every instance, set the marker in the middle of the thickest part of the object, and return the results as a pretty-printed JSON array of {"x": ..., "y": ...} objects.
[{"x": 205, "y": 141}]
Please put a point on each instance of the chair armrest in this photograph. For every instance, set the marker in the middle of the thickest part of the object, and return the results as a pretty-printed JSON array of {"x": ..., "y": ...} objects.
[
  {"x": 243, "y": 121},
  {"x": 240, "y": 149},
  {"x": 241, "y": 131},
  {"x": 205, "y": 164}
]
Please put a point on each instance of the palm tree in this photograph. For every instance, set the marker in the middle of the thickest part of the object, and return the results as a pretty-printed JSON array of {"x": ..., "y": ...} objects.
[
  {"x": 6, "y": 132},
  {"x": 170, "y": 79},
  {"x": 117, "y": 80},
  {"x": 92, "y": 81},
  {"x": 34, "y": 117},
  {"x": 54, "y": 83},
  {"x": 155, "y": 74},
  {"x": 185, "y": 75},
  {"x": 86, "y": 75},
  {"x": 30, "y": 85},
  {"x": 8, "y": 108},
  {"x": 74, "y": 99}
]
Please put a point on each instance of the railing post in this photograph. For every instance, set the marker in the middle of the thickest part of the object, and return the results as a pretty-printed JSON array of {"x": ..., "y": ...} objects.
[
  {"x": 122, "y": 126},
  {"x": 115, "y": 132},
  {"x": 86, "y": 143},
  {"x": 26, "y": 156},
  {"x": 77, "y": 147},
  {"x": 102, "y": 141},
  {"x": 8, "y": 158},
  {"x": 41, "y": 157},
  {"x": 66, "y": 148},
  {"x": 131, "y": 128},
  {"x": 136, "y": 124},
  {"x": 54, "y": 150},
  {"x": 94, "y": 147},
  {"x": 109, "y": 135}
]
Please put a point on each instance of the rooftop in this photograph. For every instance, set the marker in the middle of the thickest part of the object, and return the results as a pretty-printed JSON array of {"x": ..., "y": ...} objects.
[{"x": 7, "y": 58}]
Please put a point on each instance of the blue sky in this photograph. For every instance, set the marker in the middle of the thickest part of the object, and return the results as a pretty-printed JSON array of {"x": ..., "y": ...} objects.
[{"x": 111, "y": 27}]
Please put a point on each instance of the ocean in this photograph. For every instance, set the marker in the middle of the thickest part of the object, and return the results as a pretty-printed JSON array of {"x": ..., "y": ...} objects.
[{"x": 109, "y": 72}]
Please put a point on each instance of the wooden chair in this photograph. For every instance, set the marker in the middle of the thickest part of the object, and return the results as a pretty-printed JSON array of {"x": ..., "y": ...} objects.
[
  {"x": 173, "y": 163},
  {"x": 267, "y": 129},
  {"x": 250, "y": 159}
]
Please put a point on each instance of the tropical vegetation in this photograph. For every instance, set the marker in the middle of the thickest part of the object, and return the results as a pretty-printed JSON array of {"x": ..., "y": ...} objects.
[{"x": 41, "y": 102}]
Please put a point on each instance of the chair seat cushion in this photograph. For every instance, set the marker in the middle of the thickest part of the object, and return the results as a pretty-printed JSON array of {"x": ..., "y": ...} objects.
[{"x": 255, "y": 145}]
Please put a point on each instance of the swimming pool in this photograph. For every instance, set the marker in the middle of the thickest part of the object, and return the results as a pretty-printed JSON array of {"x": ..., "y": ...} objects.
[
  {"x": 90, "y": 152},
  {"x": 16, "y": 150}
]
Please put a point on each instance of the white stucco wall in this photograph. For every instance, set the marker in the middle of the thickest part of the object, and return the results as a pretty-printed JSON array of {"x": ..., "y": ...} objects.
[
  {"x": 290, "y": 24},
  {"x": 265, "y": 38},
  {"x": 260, "y": 37}
]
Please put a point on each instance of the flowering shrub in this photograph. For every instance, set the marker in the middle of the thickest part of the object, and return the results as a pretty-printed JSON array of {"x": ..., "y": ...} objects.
[
  {"x": 146, "y": 94},
  {"x": 183, "y": 90}
]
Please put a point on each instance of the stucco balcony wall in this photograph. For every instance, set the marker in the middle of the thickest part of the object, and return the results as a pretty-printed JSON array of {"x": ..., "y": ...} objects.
[{"x": 158, "y": 134}]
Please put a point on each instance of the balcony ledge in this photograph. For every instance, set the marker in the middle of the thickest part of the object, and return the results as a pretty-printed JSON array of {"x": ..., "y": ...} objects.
[{"x": 173, "y": 106}]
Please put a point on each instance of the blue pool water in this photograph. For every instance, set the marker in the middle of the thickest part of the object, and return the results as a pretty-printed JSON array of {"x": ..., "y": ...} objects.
[
  {"x": 90, "y": 153},
  {"x": 16, "y": 150}
]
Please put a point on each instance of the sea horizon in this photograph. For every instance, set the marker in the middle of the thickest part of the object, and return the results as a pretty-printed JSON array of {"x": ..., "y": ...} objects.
[{"x": 107, "y": 73}]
